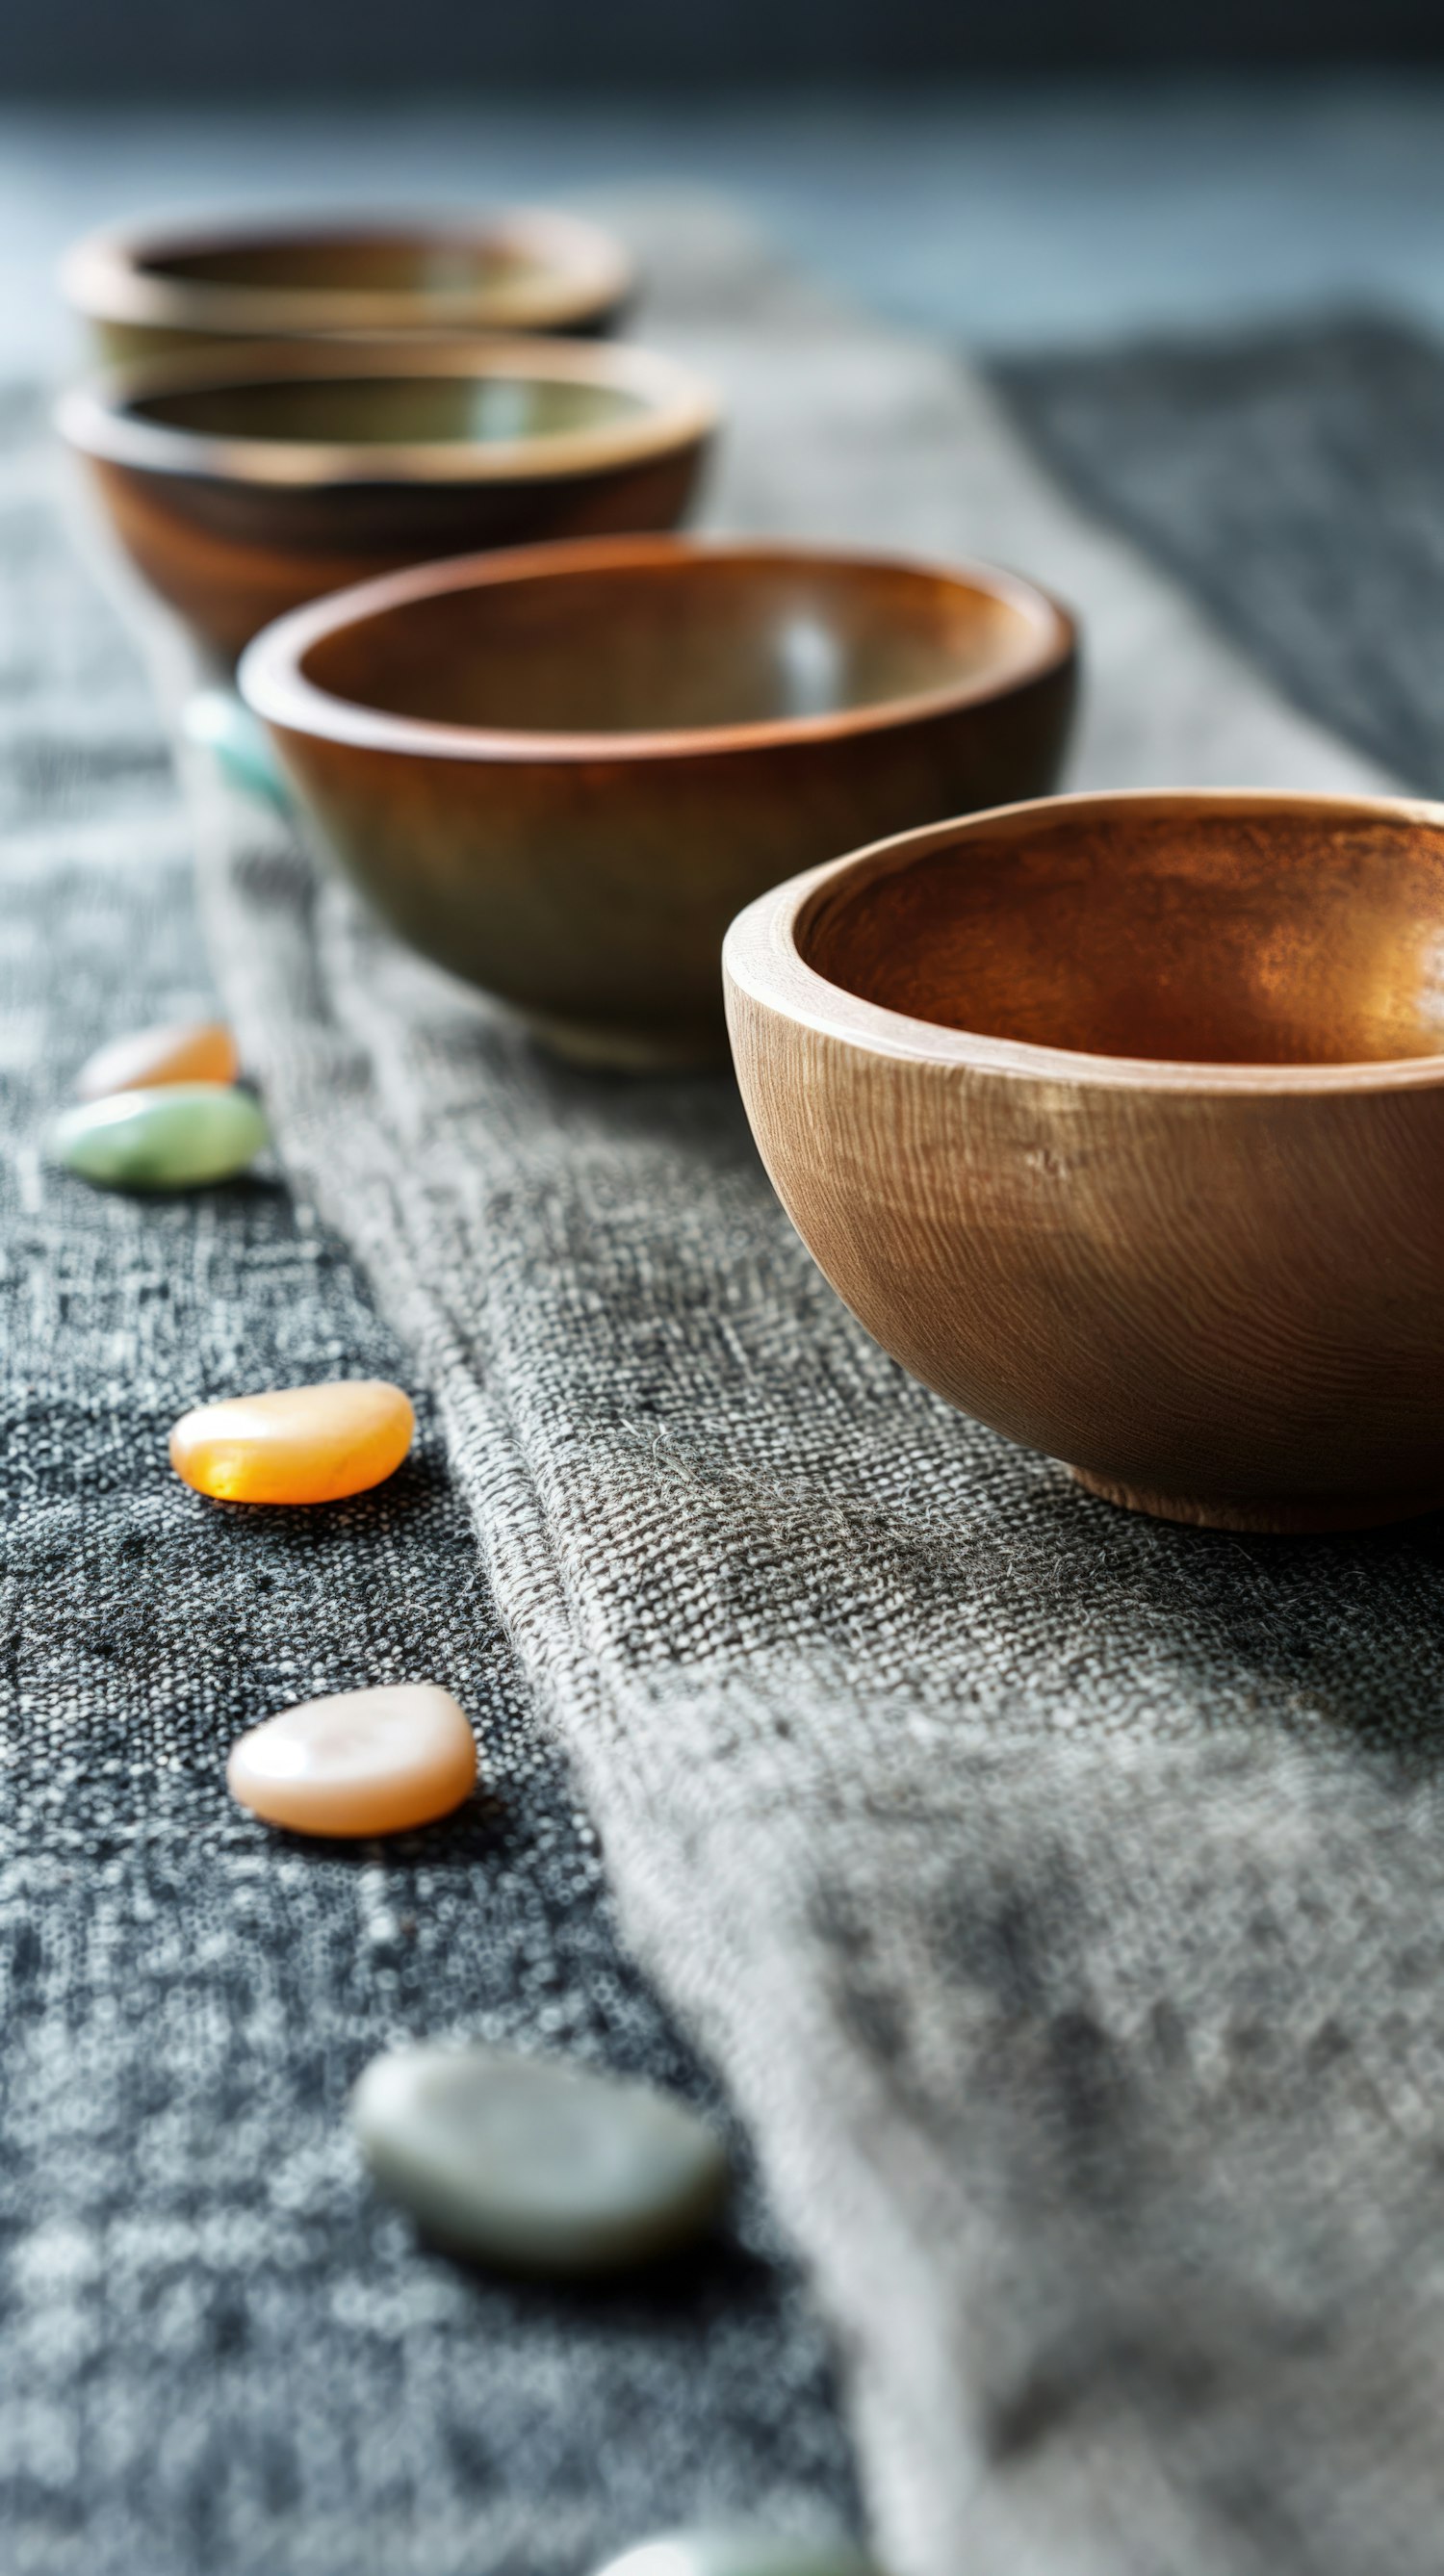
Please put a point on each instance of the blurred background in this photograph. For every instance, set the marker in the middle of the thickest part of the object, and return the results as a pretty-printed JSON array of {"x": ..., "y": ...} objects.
[
  {"x": 147, "y": 47},
  {"x": 1008, "y": 171}
]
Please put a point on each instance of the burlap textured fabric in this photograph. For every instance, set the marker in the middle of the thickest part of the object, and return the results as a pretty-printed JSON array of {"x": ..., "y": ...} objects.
[
  {"x": 222, "y": 2352},
  {"x": 1060, "y": 1893},
  {"x": 1292, "y": 478}
]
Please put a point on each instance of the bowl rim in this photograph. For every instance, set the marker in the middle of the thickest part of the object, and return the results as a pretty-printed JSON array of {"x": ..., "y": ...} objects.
[
  {"x": 276, "y": 688},
  {"x": 762, "y": 957},
  {"x": 106, "y": 277},
  {"x": 675, "y": 408}
]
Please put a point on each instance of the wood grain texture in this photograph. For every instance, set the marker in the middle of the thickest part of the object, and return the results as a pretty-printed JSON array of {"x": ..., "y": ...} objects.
[
  {"x": 243, "y": 485},
  {"x": 1210, "y": 1277},
  {"x": 561, "y": 773},
  {"x": 174, "y": 287}
]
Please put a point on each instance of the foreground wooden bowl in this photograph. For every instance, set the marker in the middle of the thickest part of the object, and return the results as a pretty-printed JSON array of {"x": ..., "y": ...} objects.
[
  {"x": 560, "y": 773},
  {"x": 171, "y": 287},
  {"x": 1119, "y": 1121},
  {"x": 242, "y": 486}
]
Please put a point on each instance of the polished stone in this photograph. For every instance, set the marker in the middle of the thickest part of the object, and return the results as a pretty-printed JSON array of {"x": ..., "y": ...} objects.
[
  {"x": 179, "y": 1051},
  {"x": 535, "y": 2164},
  {"x": 358, "y": 1763},
  {"x": 739, "y": 2553},
  {"x": 295, "y": 1444},
  {"x": 216, "y": 720},
  {"x": 175, "y": 1136}
]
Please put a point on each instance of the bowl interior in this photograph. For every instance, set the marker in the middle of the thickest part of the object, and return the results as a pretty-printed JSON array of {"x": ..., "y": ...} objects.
[
  {"x": 381, "y": 263},
  {"x": 396, "y": 411},
  {"x": 690, "y": 642},
  {"x": 1241, "y": 934}
]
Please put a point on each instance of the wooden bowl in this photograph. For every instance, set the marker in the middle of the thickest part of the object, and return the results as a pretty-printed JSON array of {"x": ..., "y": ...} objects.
[
  {"x": 561, "y": 772},
  {"x": 245, "y": 485},
  {"x": 172, "y": 287},
  {"x": 1119, "y": 1121}
]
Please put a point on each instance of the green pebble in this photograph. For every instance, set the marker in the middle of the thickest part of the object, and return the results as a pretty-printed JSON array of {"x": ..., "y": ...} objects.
[
  {"x": 223, "y": 726},
  {"x": 536, "y": 2165},
  {"x": 739, "y": 2553},
  {"x": 175, "y": 1137}
]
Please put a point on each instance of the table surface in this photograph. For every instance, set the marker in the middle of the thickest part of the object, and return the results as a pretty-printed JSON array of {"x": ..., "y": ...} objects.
[{"x": 1005, "y": 215}]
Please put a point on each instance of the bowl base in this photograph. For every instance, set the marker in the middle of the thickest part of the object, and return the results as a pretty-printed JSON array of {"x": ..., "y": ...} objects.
[
  {"x": 611, "y": 1047},
  {"x": 1281, "y": 1518}
]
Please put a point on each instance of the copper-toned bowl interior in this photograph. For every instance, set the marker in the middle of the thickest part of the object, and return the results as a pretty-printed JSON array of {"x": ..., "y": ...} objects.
[
  {"x": 1263, "y": 934},
  {"x": 402, "y": 262},
  {"x": 696, "y": 640},
  {"x": 525, "y": 268},
  {"x": 392, "y": 411}
]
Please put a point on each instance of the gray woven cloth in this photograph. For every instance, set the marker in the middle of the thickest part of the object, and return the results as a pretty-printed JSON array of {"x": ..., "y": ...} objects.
[
  {"x": 1292, "y": 478},
  {"x": 1058, "y": 1892},
  {"x": 221, "y": 2353}
]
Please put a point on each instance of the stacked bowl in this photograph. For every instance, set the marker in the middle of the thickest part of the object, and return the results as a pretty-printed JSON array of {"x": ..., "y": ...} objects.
[
  {"x": 242, "y": 485},
  {"x": 286, "y": 409}
]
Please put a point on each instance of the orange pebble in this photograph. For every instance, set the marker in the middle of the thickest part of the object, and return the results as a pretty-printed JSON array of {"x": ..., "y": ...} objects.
[
  {"x": 362, "y": 1762},
  {"x": 182, "y": 1051},
  {"x": 303, "y": 1444}
]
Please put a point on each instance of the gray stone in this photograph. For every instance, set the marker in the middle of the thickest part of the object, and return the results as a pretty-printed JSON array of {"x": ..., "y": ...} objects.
[
  {"x": 179, "y": 1136},
  {"x": 536, "y": 2165}
]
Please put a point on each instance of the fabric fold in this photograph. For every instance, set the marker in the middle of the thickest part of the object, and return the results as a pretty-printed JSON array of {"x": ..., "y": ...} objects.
[{"x": 1058, "y": 1892}]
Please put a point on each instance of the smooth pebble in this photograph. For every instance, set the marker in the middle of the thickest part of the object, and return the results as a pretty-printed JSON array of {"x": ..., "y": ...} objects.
[
  {"x": 298, "y": 1444},
  {"x": 360, "y": 1762},
  {"x": 739, "y": 2553},
  {"x": 536, "y": 2165},
  {"x": 181, "y": 1051},
  {"x": 222, "y": 725},
  {"x": 177, "y": 1136}
]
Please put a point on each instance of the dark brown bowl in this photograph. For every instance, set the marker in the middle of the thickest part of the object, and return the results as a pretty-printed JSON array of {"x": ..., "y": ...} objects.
[
  {"x": 1119, "y": 1120},
  {"x": 241, "y": 487},
  {"x": 170, "y": 288},
  {"x": 560, "y": 773}
]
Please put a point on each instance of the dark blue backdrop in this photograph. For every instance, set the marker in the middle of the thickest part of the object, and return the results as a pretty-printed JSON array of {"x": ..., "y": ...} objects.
[{"x": 145, "y": 48}]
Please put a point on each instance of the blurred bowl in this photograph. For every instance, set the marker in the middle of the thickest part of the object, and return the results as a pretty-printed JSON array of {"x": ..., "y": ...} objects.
[
  {"x": 560, "y": 773},
  {"x": 168, "y": 287},
  {"x": 241, "y": 487},
  {"x": 1119, "y": 1121}
]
